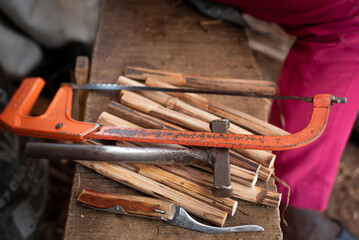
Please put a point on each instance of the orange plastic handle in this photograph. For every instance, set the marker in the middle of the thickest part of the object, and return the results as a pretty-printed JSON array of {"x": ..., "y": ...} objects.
[{"x": 55, "y": 123}]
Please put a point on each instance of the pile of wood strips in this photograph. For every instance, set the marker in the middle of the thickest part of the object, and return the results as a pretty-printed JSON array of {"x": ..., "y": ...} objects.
[{"x": 189, "y": 186}]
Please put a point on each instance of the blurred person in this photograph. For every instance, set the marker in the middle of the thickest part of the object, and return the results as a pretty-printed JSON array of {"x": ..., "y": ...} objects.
[
  {"x": 37, "y": 38},
  {"x": 323, "y": 59}
]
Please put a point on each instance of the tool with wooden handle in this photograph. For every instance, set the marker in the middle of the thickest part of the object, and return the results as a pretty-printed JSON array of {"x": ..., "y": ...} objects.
[
  {"x": 56, "y": 123},
  {"x": 153, "y": 208}
]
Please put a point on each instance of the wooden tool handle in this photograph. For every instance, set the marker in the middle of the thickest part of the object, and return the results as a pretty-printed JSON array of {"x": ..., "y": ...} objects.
[{"x": 137, "y": 205}]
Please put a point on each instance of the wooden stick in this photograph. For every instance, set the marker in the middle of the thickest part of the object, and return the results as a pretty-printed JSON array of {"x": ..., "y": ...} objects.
[
  {"x": 238, "y": 174},
  {"x": 153, "y": 188},
  {"x": 106, "y": 118},
  {"x": 243, "y": 119},
  {"x": 186, "y": 186},
  {"x": 81, "y": 75},
  {"x": 148, "y": 106},
  {"x": 251, "y": 194},
  {"x": 257, "y": 194},
  {"x": 154, "y": 96},
  {"x": 143, "y": 73},
  {"x": 264, "y": 173},
  {"x": 243, "y": 176},
  {"x": 140, "y": 118},
  {"x": 235, "y": 116},
  {"x": 255, "y": 86}
]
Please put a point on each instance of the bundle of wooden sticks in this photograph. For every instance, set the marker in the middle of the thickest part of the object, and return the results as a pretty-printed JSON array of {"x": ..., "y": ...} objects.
[{"x": 188, "y": 186}]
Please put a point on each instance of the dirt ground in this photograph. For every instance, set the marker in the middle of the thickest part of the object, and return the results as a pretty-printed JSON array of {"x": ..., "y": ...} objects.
[{"x": 344, "y": 201}]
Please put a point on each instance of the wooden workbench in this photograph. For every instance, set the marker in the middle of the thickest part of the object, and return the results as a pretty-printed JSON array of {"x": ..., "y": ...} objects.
[{"x": 156, "y": 34}]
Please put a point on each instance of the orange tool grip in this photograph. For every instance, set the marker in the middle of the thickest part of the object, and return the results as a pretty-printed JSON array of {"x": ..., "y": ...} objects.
[{"x": 55, "y": 123}]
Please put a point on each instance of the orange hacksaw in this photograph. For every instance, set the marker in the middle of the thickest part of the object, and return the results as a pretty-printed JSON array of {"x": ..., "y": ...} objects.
[{"x": 56, "y": 123}]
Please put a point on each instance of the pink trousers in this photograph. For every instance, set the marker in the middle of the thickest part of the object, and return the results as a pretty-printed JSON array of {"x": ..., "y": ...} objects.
[{"x": 324, "y": 59}]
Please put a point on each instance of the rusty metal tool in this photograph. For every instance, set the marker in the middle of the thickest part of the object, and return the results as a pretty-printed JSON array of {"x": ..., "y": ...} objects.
[
  {"x": 56, "y": 123},
  {"x": 153, "y": 208},
  {"x": 218, "y": 158},
  {"x": 106, "y": 153},
  {"x": 119, "y": 87}
]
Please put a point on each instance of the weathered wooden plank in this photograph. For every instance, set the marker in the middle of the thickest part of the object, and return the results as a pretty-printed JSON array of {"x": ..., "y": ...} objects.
[{"x": 141, "y": 33}]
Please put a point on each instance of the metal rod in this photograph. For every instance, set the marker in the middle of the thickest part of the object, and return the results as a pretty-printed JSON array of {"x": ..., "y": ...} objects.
[
  {"x": 117, "y": 154},
  {"x": 119, "y": 87}
]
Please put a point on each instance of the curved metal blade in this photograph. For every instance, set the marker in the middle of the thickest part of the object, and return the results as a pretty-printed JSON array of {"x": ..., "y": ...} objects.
[{"x": 183, "y": 219}]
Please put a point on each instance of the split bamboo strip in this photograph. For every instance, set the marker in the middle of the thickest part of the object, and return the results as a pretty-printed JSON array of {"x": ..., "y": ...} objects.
[
  {"x": 257, "y": 194},
  {"x": 243, "y": 176},
  {"x": 187, "y": 186},
  {"x": 148, "y": 106},
  {"x": 140, "y": 118},
  {"x": 143, "y": 73},
  {"x": 242, "y": 119},
  {"x": 151, "y": 187},
  {"x": 255, "y": 86},
  {"x": 143, "y": 104},
  {"x": 251, "y": 194},
  {"x": 264, "y": 173},
  {"x": 106, "y": 118},
  {"x": 238, "y": 174},
  {"x": 243, "y": 161},
  {"x": 198, "y": 176}
]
